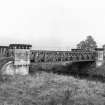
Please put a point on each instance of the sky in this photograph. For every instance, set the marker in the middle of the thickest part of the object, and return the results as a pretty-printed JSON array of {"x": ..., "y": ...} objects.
[{"x": 51, "y": 24}]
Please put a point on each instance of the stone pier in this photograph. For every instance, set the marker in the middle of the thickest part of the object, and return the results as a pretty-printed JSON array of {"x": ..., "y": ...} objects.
[
  {"x": 21, "y": 62},
  {"x": 99, "y": 57}
]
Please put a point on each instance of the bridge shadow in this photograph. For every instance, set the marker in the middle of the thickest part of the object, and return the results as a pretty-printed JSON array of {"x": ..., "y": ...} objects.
[{"x": 76, "y": 69}]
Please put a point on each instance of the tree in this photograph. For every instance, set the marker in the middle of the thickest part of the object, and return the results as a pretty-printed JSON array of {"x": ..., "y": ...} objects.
[
  {"x": 81, "y": 45},
  {"x": 88, "y": 44}
]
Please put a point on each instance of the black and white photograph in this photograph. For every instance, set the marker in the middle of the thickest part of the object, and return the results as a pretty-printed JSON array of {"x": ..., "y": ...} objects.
[{"x": 52, "y": 52}]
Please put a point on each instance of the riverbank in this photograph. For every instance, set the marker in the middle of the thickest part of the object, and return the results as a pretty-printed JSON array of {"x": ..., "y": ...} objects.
[{"x": 51, "y": 89}]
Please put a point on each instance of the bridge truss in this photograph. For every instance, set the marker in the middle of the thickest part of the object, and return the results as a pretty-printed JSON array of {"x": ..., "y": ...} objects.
[{"x": 38, "y": 56}]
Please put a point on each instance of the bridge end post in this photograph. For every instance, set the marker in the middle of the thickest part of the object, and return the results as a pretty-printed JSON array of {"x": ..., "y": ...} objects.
[
  {"x": 99, "y": 57},
  {"x": 21, "y": 54}
]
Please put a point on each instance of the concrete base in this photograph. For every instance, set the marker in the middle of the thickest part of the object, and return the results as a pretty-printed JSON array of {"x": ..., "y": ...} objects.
[
  {"x": 11, "y": 69},
  {"x": 99, "y": 63},
  {"x": 22, "y": 70}
]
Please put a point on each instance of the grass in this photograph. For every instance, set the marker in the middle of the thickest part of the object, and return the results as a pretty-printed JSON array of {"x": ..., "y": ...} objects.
[{"x": 50, "y": 89}]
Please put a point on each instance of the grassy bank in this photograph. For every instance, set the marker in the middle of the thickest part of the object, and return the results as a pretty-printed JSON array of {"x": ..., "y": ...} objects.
[{"x": 51, "y": 89}]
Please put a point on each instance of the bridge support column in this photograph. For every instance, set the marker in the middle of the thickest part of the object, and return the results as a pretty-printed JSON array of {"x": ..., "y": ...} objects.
[
  {"x": 99, "y": 57},
  {"x": 21, "y": 62}
]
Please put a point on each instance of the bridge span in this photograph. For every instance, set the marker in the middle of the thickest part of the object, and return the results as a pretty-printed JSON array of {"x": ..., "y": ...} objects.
[
  {"x": 62, "y": 56},
  {"x": 22, "y": 55}
]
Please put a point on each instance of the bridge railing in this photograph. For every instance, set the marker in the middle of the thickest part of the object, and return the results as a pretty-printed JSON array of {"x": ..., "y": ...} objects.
[{"x": 62, "y": 56}]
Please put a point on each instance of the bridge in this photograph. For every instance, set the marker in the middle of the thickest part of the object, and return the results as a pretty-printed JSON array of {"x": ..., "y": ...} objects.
[
  {"x": 75, "y": 55},
  {"x": 76, "y": 58},
  {"x": 45, "y": 56},
  {"x": 22, "y": 55},
  {"x": 49, "y": 59}
]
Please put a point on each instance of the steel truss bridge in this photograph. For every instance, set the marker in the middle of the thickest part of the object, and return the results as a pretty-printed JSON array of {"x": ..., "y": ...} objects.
[{"x": 75, "y": 55}]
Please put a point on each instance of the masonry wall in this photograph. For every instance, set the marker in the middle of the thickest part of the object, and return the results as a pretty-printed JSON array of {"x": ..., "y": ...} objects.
[
  {"x": 21, "y": 60},
  {"x": 22, "y": 57}
]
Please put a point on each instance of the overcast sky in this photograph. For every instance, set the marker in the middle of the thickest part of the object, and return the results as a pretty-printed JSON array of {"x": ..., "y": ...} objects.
[{"x": 51, "y": 24}]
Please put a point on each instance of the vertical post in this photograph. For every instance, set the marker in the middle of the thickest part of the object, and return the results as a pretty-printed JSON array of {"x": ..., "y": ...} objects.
[{"x": 99, "y": 57}]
